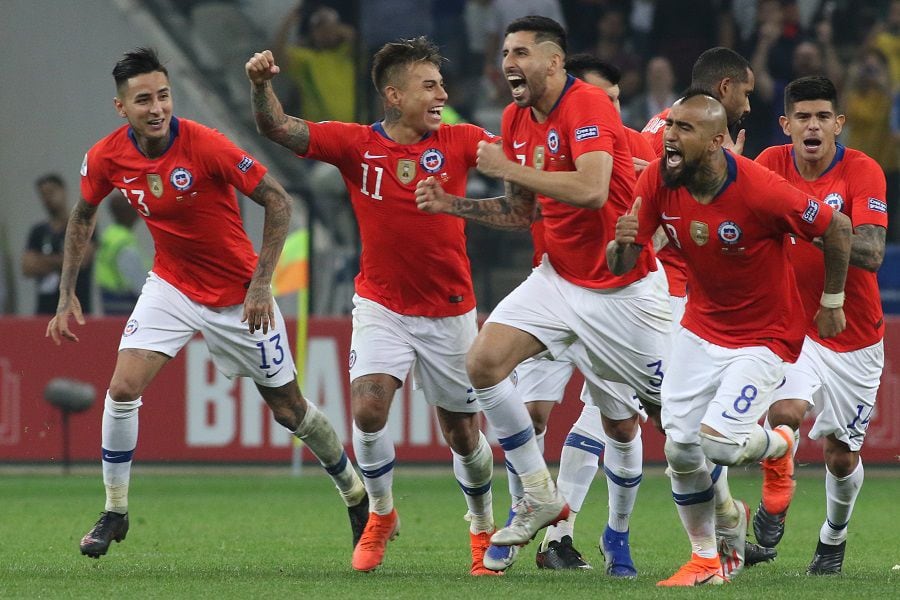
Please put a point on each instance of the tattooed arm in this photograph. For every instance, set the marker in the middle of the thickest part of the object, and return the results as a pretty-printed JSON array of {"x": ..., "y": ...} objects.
[
  {"x": 866, "y": 247},
  {"x": 271, "y": 120},
  {"x": 514, "y": 210},
  {"x": 259, "y": 306}
]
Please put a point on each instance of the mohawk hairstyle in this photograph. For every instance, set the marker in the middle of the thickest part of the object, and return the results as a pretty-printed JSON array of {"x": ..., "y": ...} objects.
[
  {"x": 394, "y": 57},
  {"x": 545, "y": 29},
  {"x": 137, "y": 62}
]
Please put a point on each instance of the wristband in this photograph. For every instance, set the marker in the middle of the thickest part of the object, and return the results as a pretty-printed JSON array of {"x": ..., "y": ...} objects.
[{"x": 832, "y": 300}]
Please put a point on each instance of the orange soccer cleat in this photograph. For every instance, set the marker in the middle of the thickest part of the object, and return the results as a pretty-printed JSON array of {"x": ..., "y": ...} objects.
[
  {"x": 697, "y": 571},
  {"x": 480, "y": 543},
  {"x": 380, "y": 529}
]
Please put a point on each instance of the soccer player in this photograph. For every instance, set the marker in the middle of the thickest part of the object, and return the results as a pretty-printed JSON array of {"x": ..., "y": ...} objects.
[
  {"x": 726, "y": 76},
  {"x": 563, "y": 146},
  {"x": 729, "y": 218},
  {"x": 180, "y": 176},
  {"x": 838, "y": 377},
  {"x": 542, "y": 383},
  {"x": 414, "y": 302}
]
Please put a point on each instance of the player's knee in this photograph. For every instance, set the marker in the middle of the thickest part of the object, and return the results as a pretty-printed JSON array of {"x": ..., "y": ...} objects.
[
  {"x": 287, "y": 405},
  {"x": 722, "y": 451},
  {"x": 124, "y": 390},
  {"x": 683, "y": 458},
  {"x": 841, "y": 461},
  {"x": 485, "y": 367},
  {"x": 787, "y": 412},
  {"x": 621, "y": 430}
]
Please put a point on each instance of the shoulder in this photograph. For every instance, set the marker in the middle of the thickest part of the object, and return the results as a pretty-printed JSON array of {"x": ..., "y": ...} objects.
[{"x": 859, "y": 160}]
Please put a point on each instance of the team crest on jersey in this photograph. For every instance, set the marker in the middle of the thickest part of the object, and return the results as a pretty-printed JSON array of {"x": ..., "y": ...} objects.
[
  {"x": 553, "y": 141},
  {"x": 352, "y": 360},
  {"x": 130, "y": 327},
  {"x": 154, "y": 182},
  {"x": 699, "y": 232},
  {"x": 729, "y": 233},
  {"x": 406, "y": 170},
  {"x": 538, "y": 158},
  {"x": 835, "y": 201},
  {"x": 432, "y": 160},
  {"x": 181, "y": 179}
]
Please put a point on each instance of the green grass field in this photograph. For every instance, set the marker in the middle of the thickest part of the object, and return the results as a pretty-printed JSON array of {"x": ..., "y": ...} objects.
[{"x": 247, "y": 535}]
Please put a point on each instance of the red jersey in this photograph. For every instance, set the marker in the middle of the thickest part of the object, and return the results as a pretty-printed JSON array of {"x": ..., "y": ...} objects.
[
  {"x": 743, "y": 291},
  {"x": 582, "y": 120},
  {"x": 187, "y": 199},
  {"x": 412, "y": 262},
  {"x": 640, "y": 148},
  {"x": 673, "y": 263},
  {"x": 853, "y": 184}
]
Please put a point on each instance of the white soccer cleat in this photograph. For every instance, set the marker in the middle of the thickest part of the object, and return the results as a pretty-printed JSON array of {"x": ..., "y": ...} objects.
[
  {"x": 732, "y": 542},
  {"x": 531, "y": 516}
]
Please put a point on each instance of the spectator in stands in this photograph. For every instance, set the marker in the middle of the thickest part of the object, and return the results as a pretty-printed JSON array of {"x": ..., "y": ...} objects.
[
  {"x": 43, "y": 257},
  {"x": 121, "y": 265},
  {"x": 659, "y": 94}
]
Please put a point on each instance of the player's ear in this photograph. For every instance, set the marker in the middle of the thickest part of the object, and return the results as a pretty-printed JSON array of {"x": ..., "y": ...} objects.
[
  {"x": 391, "y": 95},
  {"x": 120, "y": 107},
  {"x": 839, "y": 124},
  {"x": 785, "y": 125}
]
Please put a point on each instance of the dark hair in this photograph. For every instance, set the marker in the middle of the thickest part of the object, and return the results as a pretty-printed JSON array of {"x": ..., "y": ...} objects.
[
  {"x": 545, "y": 29},
  {"x": 394, "y": 56},
  {"x": 137, "y": 62},
  {"x": 580, "y": 65},
  {"x": 716, "y": 64},
  {"x": 692, "y": 92},
  {"x": 809, "y": 88},
  {"x": 53, "y": 178}
]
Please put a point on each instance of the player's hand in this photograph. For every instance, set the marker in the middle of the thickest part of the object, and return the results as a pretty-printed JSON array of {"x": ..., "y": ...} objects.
[
  {"x": 259, "y": 308},
  {"x": 639, "y": 164},
  {"x": 59, "y": 324},
  {"x": 736, "y": 146},
  {"x": 261, "y": 67},
  {"x": 431, "y": 197},
  {"x": 490, "y": 159},
  {"x": 627, "y": 224},
  {"x": 830, "y": 321}
]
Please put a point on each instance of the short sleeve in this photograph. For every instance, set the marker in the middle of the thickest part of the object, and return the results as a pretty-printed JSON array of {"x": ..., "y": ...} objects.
[
  {"x": 95, "y": 184},
  {"x": 223, "y": 158}
]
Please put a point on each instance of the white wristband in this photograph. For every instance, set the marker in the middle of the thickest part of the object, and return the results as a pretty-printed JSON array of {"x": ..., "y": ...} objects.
[{"x": 832, "y": 300}]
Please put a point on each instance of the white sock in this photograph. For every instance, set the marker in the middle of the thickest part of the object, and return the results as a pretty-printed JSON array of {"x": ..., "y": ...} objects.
[
  {"x": 763, "y": 443},
  {"x": 474, "y": 473},
  {"x": 840, "y": 496},
  {"x": 503, "y": 408},
  {"x": 693, "y": 496},
  {"x": 578, "y": 463},
  {"x": 320, "y": 437},
  {"x": 623, "y": 467},
  {"x": 118, "y": 439},
  {"x": 555, "y": 533},
  {"x": 727, "y": 514},
  {"x": 375, "y": 457}
]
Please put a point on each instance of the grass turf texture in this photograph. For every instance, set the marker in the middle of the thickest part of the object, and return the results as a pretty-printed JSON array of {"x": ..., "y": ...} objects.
[{"x": 247, "y": 535}]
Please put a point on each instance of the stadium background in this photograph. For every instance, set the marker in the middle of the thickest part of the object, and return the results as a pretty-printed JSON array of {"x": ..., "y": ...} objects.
[{"x": 57, "y": 91}]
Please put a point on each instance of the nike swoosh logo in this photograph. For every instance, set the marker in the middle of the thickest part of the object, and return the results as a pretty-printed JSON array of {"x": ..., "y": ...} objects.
[
  {"x": 367, "y": 155},
  {"x": 666, "y": 217},
  {"x": 518, "y": 145},
  {"x": 727, "y": 416},
  {"x": 128, "y": 179},
  {"x": 271, "y": 375}
]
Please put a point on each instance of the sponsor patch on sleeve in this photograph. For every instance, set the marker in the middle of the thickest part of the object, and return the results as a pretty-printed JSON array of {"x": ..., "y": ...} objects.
[
  {"x": 245, "y": 164},
  {"x": 586, "y": 133},
  {"x": 812, "y": 210},
  {"x": 877, "y": 205}
]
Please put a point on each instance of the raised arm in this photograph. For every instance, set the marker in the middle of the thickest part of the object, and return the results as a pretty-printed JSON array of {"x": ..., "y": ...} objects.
[
  {"x": 830, "y": 318},
  {"x": 259, "y": 305},
  {"x": 78, "y": 241},
  {"x": 514, "y": 210},
  {"x": 622, "y": 253},
  {"x": 271, "y": 120}
]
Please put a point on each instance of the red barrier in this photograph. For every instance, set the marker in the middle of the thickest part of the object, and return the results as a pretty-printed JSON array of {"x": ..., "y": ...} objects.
[{"x": 192, "y": 413}]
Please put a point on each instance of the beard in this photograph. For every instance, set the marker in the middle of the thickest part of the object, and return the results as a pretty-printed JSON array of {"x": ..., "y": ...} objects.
[{"x": 682, "y": 177}]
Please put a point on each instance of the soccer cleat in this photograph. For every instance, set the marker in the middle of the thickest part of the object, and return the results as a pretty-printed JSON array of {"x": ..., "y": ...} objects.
[
  {"x": 617, "y": 553},
  {"x": 778, "y": 476},
  {"x": 560, "y": 555},
  {"x": 827, "y": 560},
  {"x": 480, "y": 543},
  {"x": 755, "y": 554},
  {"x": 110, "y": 527},
  {"x": 379, "y": 530},
  {"x": 359, "y": 516},
  {"x": 697, "y": 571},
  {"x": 531, "y": 516},
  {"x": 768, "y": 527},
  {"x": 500, "y": 558},
  {"x": 732, "y": 542}
]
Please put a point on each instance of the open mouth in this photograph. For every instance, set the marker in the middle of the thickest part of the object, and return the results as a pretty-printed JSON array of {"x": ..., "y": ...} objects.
[
  {"x": 674, "y": 157},
  {"x": 436, "y": 111},
  {"x": 811, "y": 144},
  {"x": 516, "y": 84},
  {"x": 156, "y": 123}
]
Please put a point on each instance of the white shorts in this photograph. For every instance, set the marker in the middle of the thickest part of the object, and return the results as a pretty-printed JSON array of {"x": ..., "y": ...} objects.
[
  {"x": 625, "y": 331},
  {"x": 841, "y": 387},
  {"x": 164, "y": 320},
  {"x": 728, "y": 389},
  {"x": 387, "y": 342},
  {"x": 677, "y": 304}
]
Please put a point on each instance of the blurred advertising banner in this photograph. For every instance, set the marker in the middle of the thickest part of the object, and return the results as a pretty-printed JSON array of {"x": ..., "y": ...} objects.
[{"x": 194, "y": 414}]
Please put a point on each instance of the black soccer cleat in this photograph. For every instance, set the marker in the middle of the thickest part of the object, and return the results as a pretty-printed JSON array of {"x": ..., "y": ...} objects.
[
  {"x": 827, "y": 560},
  {"x": 755, "y": 554},
  {"x": 110, "y": 527},
  {"x": 768, "y": 527},
  {"x": 560, "y": 555},
  {"x": 359, "y": 516}
]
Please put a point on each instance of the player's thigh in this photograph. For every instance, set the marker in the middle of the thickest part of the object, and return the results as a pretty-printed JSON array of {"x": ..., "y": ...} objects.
[
  {"x": 266, "y": 358},
  {"x": 745, "y": 391},
  {"x": 543, "y": 379},
  {"x": 163, "y": 319},
  {"x": 848, "y": 395},
  {"x": 380, "y": 343},
  {"x": 440, "y": 346},
  {"x": 689, "y": 386}
]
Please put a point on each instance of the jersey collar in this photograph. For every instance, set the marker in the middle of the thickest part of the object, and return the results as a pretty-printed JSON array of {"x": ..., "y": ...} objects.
[
  {"x": 731, "y": 176},
  {"x": 379, "y": 129},
  {"x": 173, "y": 133},
  {"x": 838, "y": 157},
  {"x": 570, "y": 81}
]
